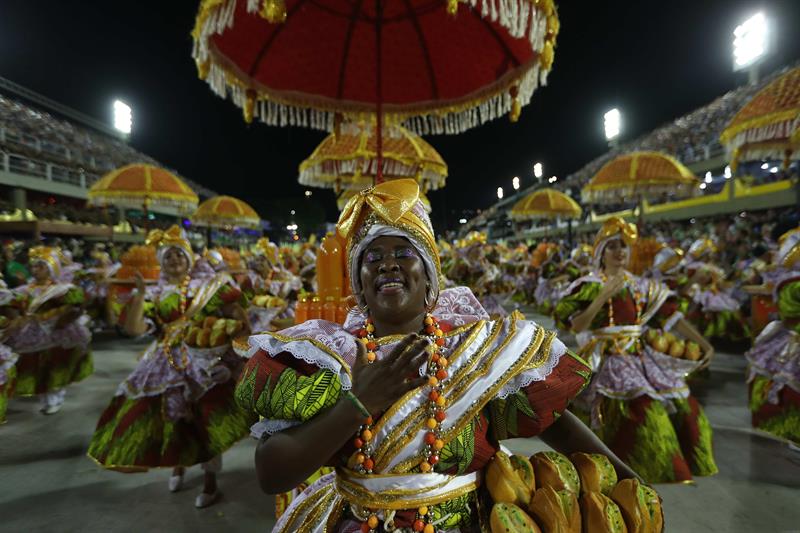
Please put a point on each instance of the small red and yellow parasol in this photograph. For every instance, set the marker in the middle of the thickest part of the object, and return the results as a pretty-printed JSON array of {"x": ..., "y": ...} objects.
[
  {"x": 545, "y": 203},
  {"x": 226, "y": 211},
  {"x": 768, "y": 126},
  {"x": 141, "y": 185},
  {"x": 349, "y": 160},
  {"x": 638, "y": 176}
]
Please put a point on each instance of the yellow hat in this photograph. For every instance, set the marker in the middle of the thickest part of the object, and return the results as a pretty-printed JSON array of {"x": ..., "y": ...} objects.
[
  {"x": 174, "y": 237},
  {"x": 47, "y": 255},
  {"x": 613, "y": 228}
]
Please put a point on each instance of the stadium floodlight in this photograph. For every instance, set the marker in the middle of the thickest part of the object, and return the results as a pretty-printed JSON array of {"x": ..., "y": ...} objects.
[
  {"x": 462, "y": 220},
  {"x": 308, "y": 193},
  {"x": 292, "y": 227},
  {"x": 123, "y": 117},
  {"x": 708, "y": 177},
  {"x": 773, "y": 170},
  {"x": 612, "y": 121},
  {"x": 538, "y": 171},
  {"x": 552, "y": 179},
  {"x": 702, "y": 186},
  {"x": 750, "y": 41},
  {"x": 499, "y": 193},
  {"x": 728, "y": 172},
  {"x": 515, "y": 183}
]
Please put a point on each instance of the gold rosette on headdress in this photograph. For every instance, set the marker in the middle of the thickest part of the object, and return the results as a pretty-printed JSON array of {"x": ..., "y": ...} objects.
[
  {"x": 700, "y": 247},
  {"x": 173, "y": 237},
  {"x": 789, "y": 249},
  {"x": 48, "y": 255}
]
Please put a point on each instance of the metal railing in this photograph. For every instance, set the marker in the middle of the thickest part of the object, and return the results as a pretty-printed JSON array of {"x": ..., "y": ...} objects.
[{"x": 26, "y": 166}]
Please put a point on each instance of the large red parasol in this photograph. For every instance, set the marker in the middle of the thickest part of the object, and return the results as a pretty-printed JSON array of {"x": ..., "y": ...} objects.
[{"x": 442, "y": 66}]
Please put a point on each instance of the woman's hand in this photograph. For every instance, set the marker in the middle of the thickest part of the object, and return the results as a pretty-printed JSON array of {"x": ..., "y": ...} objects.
[
  {"x": 611, "y": 287},
  {"x": 139, "y": 280},
  {"x": 382, "y": 383}
]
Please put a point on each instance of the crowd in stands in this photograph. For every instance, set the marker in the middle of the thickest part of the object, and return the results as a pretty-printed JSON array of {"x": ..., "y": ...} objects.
[{"x": 36, "y": 139}]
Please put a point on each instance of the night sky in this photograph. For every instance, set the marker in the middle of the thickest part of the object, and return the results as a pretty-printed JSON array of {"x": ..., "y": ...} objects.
[{"x": 655, "y": 60}]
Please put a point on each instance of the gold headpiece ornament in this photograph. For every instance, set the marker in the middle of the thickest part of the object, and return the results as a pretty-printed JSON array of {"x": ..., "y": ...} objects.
[
  {"x": 701, "y": 247},
  {"x": 267, "y": 249},
  {"x": 789, "y": 250},
  {"x": 667, "y": 258},
  {"x": 47, "y": 255},
  {"x": 174, "y": 237},
  {"x": 613, "y": 228}
]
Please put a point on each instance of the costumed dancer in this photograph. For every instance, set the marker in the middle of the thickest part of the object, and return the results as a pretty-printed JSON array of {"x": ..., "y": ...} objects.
[
  {"x": 8, "y": 359},
  {"x": 176, "y": 409},
  {"x": 774, "y": 360},
  {"x": 410, "y": 398},
  {"x": 638, "y": 400},
  {"x": 546, "y": 259},
  {"x": 268, "y": 288},
  {"x": 50, "y": 334},
  {"x": 713, "y": 310}
]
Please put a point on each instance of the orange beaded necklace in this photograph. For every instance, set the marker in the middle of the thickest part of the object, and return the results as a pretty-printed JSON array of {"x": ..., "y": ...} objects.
[{"x": 436, "y": 401}]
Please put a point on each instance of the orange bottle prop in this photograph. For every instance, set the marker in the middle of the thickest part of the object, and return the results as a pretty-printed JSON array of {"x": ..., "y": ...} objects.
[
  {"x": 315, "y": 309},
  {"x": 301, "y": 310},
  {"x": 329, "y": 309},
  {"x": 330, "y": 263}
]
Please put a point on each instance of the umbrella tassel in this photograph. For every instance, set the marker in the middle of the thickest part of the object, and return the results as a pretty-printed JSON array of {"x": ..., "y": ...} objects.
[{"x": 274, "y": 11}]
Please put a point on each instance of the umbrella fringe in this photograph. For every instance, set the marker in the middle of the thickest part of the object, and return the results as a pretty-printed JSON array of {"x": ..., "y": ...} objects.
[
  {"x": 520, "y": 17},
  {"x": 357, "y": 174}
]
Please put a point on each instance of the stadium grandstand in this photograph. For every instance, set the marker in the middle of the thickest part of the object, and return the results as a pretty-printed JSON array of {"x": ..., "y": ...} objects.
[
  {"x": 49, "y": 157},
  {"x": 693, "y": 139}
]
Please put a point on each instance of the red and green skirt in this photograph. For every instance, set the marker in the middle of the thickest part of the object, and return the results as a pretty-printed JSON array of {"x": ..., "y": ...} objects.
[
  {"x": 660, "y": 446},
  {"x": 135, "y": 434},
  {"x": 7, "y": 391},
  {"x": 52, "y": 369},
  {"x": 782, "y": 419},
  {"x": 729, "y": 325}
]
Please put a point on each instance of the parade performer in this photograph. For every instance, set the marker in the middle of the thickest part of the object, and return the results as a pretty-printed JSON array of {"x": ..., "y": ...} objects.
[
  {"x": 409, "y": 399},
  {"x": 774, "y": 360},
  {"x": 8, "y": 359},
  {"x": 50, "y": 333},
  {"x": 638, "y": 401},
  {"x": 177, "y": 409},
  {"x": 713, "y": 310},
  {"x": 268, "y": 287}
]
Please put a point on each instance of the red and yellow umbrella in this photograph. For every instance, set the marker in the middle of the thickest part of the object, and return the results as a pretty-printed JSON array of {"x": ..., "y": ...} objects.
[
  {"x": 768, "y": 126},
  {"x": 226, "y": 211},
  {"x": 443, "y": 66},
  {"x": 141, "y": 185},
  {"x": 348, "y": 160},
  {"x": 545, "y": 203},
  {"x": 639, "y": 175}
]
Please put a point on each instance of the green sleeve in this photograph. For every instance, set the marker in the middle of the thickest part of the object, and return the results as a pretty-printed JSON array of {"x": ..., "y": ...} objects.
[
  {"x": 578, "y": 300},
  {"x": 789, "y": 302},
  {"x": 279, "y": 392},
  {"x": 74, "y": 296}
]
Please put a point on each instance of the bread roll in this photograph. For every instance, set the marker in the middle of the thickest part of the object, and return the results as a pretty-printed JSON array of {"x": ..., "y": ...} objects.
[
  {"x": 600, "y": 515},
  {"x": 553, "y": 469},
  {"x": 595, "y": 471},
  {"x": 654, "y": 511},
  {"x": 505, "y": 484},
  {"x": 627, "y": 496},
  {"x": 508, "y": 518},
  {"x": 556, "y": 511}
]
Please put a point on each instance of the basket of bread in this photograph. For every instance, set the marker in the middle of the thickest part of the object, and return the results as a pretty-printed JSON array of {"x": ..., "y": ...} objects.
[
  {"x": 551, "y": 493},
  {"x": 212, "y": 332},
  {"x": 685, "y": 353},
  {"x": 268, "y": 301}
]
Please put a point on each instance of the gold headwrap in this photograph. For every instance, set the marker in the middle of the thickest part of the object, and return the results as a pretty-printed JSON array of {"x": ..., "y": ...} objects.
[
  {"x": 174, "y": 237},
  {"x": 267, "y": 249},
  {"x": 789, "y": 250},
  {"x": 700, "y": 247},
  {"x": 47, "y": 255},
  {"x": 614, "y": 227},
  {"x": 395, "y": 204}
]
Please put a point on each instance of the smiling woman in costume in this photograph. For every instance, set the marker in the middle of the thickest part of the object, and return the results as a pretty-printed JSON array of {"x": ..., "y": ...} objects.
[
  {"x": 410, "y": 397},
  {"x": 176, "y": 409},
  {"x": 638, "y": 399}
]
